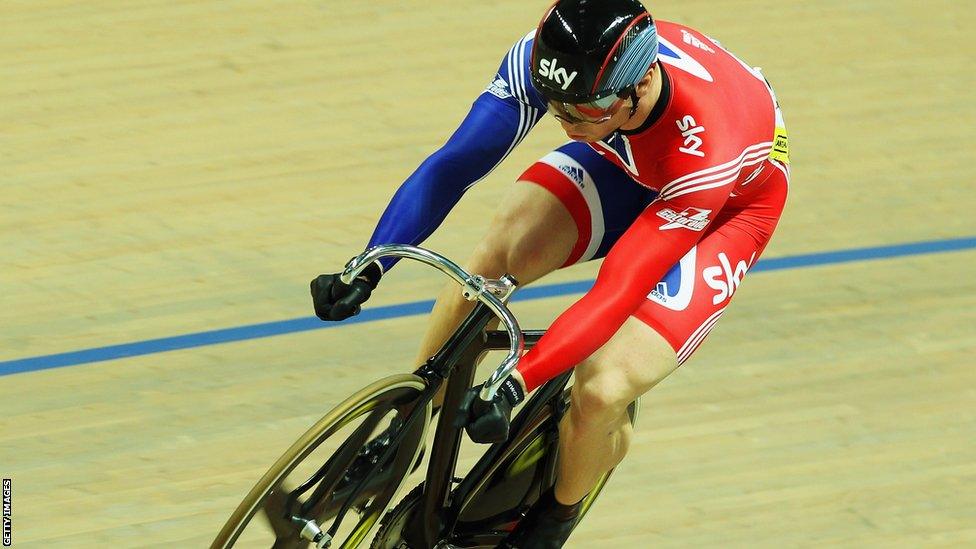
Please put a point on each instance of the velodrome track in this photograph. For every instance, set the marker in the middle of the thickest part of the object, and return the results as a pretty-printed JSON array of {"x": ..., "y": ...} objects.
[
  {"x": 371, "y": 314},
  {"x": 173, "y": 173}
]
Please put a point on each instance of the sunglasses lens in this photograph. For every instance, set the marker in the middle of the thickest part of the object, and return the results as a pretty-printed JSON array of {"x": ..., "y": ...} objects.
[
  {"x": 604, "y": 103},
  {"x": 593, "y": 112}
]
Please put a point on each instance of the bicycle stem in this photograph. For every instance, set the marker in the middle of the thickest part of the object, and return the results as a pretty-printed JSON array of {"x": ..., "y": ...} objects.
[{"x": 492, "y": 293}]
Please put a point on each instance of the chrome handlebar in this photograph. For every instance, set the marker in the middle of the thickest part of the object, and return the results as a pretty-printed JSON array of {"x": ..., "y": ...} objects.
[{"x": 492, "y": 293}]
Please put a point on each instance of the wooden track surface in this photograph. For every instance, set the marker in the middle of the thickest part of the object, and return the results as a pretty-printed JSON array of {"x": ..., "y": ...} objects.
[{"x": 174, "y": 167}]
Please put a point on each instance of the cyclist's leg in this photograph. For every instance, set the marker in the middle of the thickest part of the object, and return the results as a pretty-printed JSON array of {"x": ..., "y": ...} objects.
[
  {"x": 596, "y": 433},
  {"x": 530, "y": 236},
  {"x": 555, "y": 215},
  {"x": 663, "y": 333}
]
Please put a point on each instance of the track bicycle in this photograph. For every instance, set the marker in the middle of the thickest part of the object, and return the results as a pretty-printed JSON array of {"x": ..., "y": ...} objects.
[{"x": 329, "y": 489}]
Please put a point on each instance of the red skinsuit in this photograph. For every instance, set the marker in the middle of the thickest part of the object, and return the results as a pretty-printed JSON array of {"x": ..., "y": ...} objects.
[{"x": 708, "y": 155}]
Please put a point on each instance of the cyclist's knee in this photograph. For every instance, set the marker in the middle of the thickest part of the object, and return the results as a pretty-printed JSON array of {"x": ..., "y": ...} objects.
[
  {"x": 633, "y": 362},
  {"x": 526, "y": 257},
  {"x": 636, "y": 359},
  {"x": 599, "y": 398}
]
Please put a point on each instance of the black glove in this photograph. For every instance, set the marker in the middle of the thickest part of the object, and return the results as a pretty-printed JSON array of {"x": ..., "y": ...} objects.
[
  {"x": 488, "y": 422},
  {"x": 334, "y": 300}
]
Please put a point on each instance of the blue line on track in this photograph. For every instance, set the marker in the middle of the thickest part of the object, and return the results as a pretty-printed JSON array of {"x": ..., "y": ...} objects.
[{"x": 267, "y": 329}]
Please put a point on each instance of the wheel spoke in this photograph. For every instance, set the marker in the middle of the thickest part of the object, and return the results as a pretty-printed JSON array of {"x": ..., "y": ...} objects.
[
  {"x": 327, "y": 466},
  {"x": 394, "y": 461},
  {"x": 277, "y": 514},
  {"x": 348, "y": 427},
  {"x": 322, "y": 497}
]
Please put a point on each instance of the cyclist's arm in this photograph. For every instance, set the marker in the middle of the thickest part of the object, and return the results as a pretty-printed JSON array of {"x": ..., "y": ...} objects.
[
  {"x": 632, "y": 268},
  {"x": 498, "y": 121}
]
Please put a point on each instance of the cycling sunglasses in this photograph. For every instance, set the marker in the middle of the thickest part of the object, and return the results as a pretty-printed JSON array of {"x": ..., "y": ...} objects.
[{"x": 594, "y": 111}]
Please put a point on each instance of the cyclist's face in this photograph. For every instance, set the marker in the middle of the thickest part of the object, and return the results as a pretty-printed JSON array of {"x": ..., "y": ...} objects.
[
  {"x": 594, "y": 131},
  {"x": 617, "y": 115}
]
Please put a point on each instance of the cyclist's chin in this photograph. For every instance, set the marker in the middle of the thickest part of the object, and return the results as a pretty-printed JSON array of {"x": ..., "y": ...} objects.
[
  {"x": 591, "y": 134},
  {"x": 583, "y": 137}
]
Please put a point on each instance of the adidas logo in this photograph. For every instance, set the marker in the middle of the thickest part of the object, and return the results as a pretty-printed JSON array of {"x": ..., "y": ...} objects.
[
  {"x": 692, "y": 40},
  {"x": 576, "y": 174},
  {"x": 499, "y": 88}
]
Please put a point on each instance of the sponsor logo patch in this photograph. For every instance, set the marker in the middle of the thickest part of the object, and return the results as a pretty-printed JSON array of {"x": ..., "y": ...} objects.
[
  {"x": 781, "y": 145},
  {"x": 574, "y": 172},
  {"x": 723, "y": 278},
  {"x": 689, "y": 131},
  {"x": 693, "y": 40},
  {"x": 693, "y": 219},
  {"x": 499, "y": 88},
  {"x": 559, "y": 75}
]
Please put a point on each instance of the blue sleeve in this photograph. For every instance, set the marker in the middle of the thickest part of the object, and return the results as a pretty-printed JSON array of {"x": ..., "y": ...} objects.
[{"x": 498, "y": 121}]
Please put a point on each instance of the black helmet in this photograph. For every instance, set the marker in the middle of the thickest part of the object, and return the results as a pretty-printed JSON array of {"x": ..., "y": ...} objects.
[{"x": 586, "y": 50}]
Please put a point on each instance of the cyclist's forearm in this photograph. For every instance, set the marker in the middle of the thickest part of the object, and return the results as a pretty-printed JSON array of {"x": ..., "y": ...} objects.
[{"x": 419, "y": 206}]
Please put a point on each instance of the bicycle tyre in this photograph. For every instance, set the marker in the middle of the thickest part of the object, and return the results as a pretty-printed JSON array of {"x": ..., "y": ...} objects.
[{"x": 402, "y": 389}]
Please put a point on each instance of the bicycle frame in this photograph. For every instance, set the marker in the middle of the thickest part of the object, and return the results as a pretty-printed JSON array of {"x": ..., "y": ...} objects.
[
  {"x": 475, "y": 509},
  {"x": 456, "y": 363}
]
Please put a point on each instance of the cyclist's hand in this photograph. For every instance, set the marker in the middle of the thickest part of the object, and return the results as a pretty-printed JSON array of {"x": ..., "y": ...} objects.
[
  {"x": 488, "y": 422},
  {"x": 335, "y": 300}
]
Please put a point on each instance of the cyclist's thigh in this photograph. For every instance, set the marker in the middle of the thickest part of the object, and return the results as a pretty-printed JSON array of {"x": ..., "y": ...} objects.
[
  {"x": 601, "y": 198},
  {"x": 530, "y": 236},
  {"x": 692, "y": 296}
]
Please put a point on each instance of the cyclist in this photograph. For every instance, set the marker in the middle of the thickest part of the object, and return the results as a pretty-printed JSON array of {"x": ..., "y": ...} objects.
[{"x": 676, "y": 173}]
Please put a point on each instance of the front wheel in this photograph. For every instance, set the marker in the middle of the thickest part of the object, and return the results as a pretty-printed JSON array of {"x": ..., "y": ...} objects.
[{"x": 311, "y": 483}]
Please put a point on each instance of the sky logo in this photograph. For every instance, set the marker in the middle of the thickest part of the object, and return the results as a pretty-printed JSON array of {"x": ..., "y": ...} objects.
[
  {"x": 562, "y": 77},
  {"x": 724, "y": 278}
]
